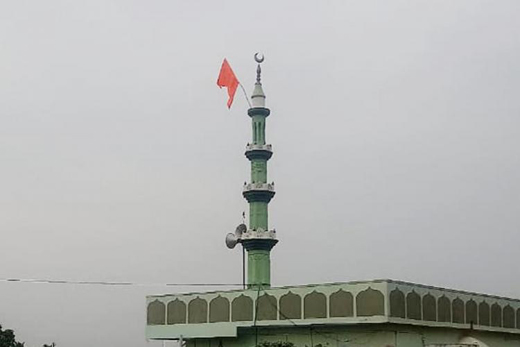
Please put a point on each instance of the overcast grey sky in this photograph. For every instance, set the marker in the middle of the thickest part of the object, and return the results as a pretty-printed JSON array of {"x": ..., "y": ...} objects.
[{"x": 396, "y": 134}]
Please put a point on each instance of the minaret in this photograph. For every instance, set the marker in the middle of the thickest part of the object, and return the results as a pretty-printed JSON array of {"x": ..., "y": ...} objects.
[{"x": 258, "y": 240}]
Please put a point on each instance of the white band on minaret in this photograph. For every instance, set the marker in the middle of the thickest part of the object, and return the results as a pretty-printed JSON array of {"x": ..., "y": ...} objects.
[{"x": 258, "y": 96}]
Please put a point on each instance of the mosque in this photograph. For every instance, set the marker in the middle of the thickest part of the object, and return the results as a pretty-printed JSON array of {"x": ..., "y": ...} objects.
[{"x": 378, "y": 313}]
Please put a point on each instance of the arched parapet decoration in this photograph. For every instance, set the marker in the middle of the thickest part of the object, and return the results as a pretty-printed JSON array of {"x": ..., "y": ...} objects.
[
  {"x": 176, "y": 312},
  {"x": 290, "y": 306},
  {"x": 429, "y": 308},
  {"x": 471, "y": 312},
  {"x": 509, "y": 317},
  {"x": 341, "y": 304},
  {"x": 444, "y": 309},
  {"x": 156, "y": 313},
  {"x": 397, "y": 304},
  {"x": 370, "y": 302},
  {"x": 483, "y": 314},
  {"x": 242, "y": 309},
  {"x": 198, "y": 311},
  {"x": 267, "y": 307},
  {"x": 458, "y": 311},
  {"x": 413, "y": 306},
  {"x": 496, "y": 315},
  {"x": 315, "y": 305},
  {"x": 219, "y": 310}
]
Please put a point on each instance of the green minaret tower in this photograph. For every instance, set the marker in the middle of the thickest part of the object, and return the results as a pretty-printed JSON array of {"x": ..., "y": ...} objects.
[{"x": 258, "y": 240}]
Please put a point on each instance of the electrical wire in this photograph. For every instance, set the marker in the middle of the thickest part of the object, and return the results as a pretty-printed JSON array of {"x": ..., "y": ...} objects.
[
  {"x": 136, "y": 284},
  {"x": 256, "y": 314},
  {"x": 114, "y": 283}
]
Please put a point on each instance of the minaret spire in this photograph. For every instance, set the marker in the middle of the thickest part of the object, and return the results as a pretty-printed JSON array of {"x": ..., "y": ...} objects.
[
  {"x": 258, "y": 97},
  {"x": 258, "y": 240}
]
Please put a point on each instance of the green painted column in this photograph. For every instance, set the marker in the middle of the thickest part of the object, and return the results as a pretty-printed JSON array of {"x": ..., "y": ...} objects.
[
  {"x": 259, "y": 268},
  {"x": 259, "y": 170},
  {"x": 258, "y": 215},
  {"x": 258, "y": 129},
  {"x": 258, "y": 193}
]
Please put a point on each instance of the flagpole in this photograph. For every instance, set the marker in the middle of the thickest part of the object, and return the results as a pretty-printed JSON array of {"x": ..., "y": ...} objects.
[{"x": 245, "y": 94}]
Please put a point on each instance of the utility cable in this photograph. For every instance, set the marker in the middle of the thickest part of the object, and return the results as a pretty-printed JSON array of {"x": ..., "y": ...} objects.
[
  {"x": 114, "y": 283},
  {"x": 256, "y": 313}
]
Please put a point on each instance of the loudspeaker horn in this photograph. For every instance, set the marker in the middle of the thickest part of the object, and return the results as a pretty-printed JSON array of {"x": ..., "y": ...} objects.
[
  {"x": 231, "y": 240},
  {"x": 241, "y": 228}
]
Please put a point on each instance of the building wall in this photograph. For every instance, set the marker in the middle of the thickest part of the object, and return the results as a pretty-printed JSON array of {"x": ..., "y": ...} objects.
[
  {"x": 220, "y": 314},
  {"x": 383, "y": 335}
]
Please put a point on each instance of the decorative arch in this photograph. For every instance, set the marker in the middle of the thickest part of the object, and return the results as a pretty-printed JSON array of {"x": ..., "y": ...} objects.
[
  {"x": 156, "y": 313},
  {"x": 242, "y": 309},
  {"x": 483, "y": 313},
  {"x": 370, "y": 302},
  {"x": 509, "y": 317},
  {"x": 219, "y": 310},
  {"x": 496, "y": 315},
  {"x": 267, "y": 307},
  {"x": 457, "y": 307},
  {"x": 176, "y": 312},
  {"x": 198, "y": 311},
  {"x": 429, "y": 308},
  {"x": 397, "y": 304},
  {"x": 471, "y": 312},
  {"x": 341, "y": 304},
  {"x": 315, "y": 305},
  {"x": 290, "y": 306},
  {"x": 413, "y": 306},
  {"x": 444, "y": 306}
]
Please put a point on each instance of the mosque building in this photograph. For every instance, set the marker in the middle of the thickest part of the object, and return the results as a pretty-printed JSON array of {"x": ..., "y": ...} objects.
[{"x": 378, "y": 313}]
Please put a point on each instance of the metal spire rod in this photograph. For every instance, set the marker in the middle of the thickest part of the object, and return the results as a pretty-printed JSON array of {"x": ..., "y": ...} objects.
[{"x": 259, "y": 58}]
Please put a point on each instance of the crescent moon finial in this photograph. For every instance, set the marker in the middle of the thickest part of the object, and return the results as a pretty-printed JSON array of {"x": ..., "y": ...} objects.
[{"x": 259, "y": 58}]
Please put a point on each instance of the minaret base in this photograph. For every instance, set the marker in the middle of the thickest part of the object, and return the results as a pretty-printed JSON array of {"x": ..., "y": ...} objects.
[{"x": 259, "y": 261}]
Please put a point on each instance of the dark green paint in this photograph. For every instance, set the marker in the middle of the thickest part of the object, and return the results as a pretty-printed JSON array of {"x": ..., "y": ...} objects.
[{"x": 258, "y": 259}]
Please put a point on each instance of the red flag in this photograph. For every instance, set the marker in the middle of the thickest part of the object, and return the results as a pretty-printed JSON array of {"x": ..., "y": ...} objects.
[{"x": 227, "y": 78}]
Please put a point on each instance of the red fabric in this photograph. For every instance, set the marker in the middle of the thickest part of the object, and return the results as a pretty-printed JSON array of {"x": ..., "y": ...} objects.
[{"x": 227, "y": 78}]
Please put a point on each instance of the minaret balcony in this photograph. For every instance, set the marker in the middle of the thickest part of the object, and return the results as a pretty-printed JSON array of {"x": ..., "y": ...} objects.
[
  {"x": 259, "y": 239},
  {"x": 256, "y": 151},
  {"x": 258, "y": 234},
  {"x": 258, "y": 111},
  {"x": 258, "y": 192},
  {"x": 252, "y": 146}
]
